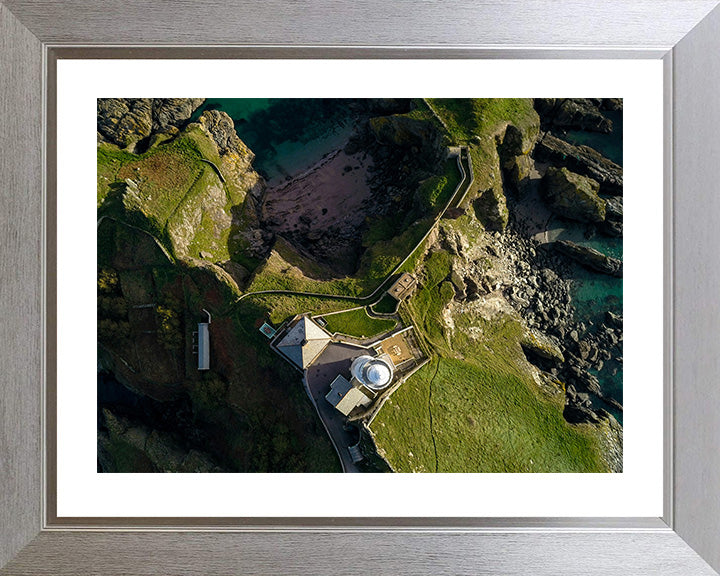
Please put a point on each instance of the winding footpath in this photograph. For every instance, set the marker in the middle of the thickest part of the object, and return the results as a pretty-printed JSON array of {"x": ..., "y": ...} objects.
[{"x": 464, "y": 185}]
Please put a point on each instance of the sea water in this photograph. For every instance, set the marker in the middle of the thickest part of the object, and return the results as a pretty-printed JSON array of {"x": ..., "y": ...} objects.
[
  {"x": 287, "y": 136},
  {"x": 593, "y": 293}
]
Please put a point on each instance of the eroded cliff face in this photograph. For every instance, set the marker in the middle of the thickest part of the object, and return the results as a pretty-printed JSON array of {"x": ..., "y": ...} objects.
[
  {"x": 506, "y": 278},
  {"x": 127, "y": 121}
]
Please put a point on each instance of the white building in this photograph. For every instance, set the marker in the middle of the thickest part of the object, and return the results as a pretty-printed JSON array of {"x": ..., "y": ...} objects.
[
  {"x": 374, "y": 373},
  {"x": 303, "y": 342},
  {"x": 204, "y": 343},
  {"x": 346, "y": 397}
]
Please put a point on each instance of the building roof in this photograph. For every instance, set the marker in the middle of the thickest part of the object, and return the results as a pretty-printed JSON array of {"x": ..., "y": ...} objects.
[
  {"x": 344, "y": 396},
  {"x": 203, "y": 346},
  {"x": 403, "y": 286},
  {"x": 375, "y": 373},
  {"x": 303, "y": 342}
]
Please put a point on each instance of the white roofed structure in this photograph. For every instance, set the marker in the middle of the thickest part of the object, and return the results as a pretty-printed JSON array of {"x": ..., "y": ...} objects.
[
  {"x": 344, "y": 396},
  {"x": 375, "y": 373},
  {"x": 303, "y": 342},
  {"x": 203, "y": 346}
]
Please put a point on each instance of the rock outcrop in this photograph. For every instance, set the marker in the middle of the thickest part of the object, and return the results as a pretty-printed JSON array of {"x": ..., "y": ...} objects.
[
  {"x": 582, "y": 160},
  {"x": 127, "y": 121},
  {"x": 575, "y": 113},
  {"x": 145, "y": 447},
  {"x": 573, "y": 196},
  {"x": 613, "y": 225},
  {"x": 590, "y": 258},
  {"x": 515, "y": 152},
  {"x": 419, "y": 136},
  {"x": 235, "y": 157},
  {"x": 539, "y": 345}
]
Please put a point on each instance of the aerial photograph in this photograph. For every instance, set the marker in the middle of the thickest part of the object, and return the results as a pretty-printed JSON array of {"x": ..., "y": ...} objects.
[{"x": 359, "y": 285}]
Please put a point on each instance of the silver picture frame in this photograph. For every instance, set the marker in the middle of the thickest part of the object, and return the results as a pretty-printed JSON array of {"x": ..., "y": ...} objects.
[{"x": 685, "y": 34}]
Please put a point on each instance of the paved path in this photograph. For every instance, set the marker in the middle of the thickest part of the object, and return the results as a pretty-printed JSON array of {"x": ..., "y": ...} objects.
[
  {"x": 335, "y": 359},
  {"x": 455, "y": 199}
]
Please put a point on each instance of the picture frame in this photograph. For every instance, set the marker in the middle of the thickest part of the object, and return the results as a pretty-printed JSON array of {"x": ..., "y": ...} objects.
[{"x": 683, "y": 33}]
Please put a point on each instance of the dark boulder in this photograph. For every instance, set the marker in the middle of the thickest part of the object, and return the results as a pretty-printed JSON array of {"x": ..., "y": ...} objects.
[
  {"x": 573, "y": 196},
  {"x": 573, "y": 113},
  {"x": 582, "y": 160},
  {"x": 590, "y": 258}
]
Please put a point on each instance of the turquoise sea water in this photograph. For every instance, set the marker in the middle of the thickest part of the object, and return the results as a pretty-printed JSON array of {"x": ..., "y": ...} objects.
[
  {"x": 594, "y": 294},
  {"x": 290, "y": 135},
  {"x": 287, "y": 135}
]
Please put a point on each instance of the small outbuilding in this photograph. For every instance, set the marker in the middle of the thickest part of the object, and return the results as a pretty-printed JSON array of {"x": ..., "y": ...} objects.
[
  {"x": 403, "y": 287},
  {"x": 346, "y": 397},
  {"x": 203, "y": 334}
]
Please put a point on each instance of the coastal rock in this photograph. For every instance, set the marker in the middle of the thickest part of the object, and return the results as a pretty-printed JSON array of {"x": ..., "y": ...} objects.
[
  {"x": 582, "y": 160},
  {"x": 491, "y": 208},
  {"x": 145, "y": 449},
  {"x": 518, "y": 140},
  {"x": 573, "y": 196},
  {"x": 613, "y": 320},
  {"x": 577, "y": 414},
  {"x": 173, "y": 112},
  {"x": 515, "y": 149},
  {"x": 421, "y": 136},
  {"x": 518, "y": 169},
  {"x": 613, "y": 225},
  {"x": 235, "y": 157},
  {"x": 124, "y": 121},
  {"x": 573, "y": 113},
  {"x": 127, "y": 121},
  {"x": 613, "y": 104},
  {"x": 539, "y": 345},
  {"x": 590, "y": 258}
]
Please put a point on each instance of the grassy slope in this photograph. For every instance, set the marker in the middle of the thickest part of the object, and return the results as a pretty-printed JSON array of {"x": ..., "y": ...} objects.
[
  {"x": 475, "y": 121},
  {"x": 172, "y": 180},
  {"x": 358, "y": 323},
  {"x": 477, "y": 403}
]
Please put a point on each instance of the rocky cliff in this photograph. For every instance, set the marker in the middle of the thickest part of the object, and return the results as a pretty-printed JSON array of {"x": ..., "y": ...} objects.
[
  {"x": 573, "y": 196},
  {"x": 582, "y": 160},
  {"x": 127, "y": 121}
]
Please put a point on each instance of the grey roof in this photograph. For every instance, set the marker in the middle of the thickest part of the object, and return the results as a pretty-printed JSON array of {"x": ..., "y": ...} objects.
[
  {"x": 344, "y": 396},
  {"x": 304, "y": 342}
]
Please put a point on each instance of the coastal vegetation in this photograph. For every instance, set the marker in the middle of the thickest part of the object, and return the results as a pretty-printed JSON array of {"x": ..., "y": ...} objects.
[
  {"x": 358, "y": 323},
  {"x": 182, "y": 228}
]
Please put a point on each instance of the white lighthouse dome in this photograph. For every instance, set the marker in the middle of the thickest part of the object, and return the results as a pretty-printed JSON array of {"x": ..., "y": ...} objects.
[
  {"x": 375, "y": 373},
  {"x": 378, "y": 374}
]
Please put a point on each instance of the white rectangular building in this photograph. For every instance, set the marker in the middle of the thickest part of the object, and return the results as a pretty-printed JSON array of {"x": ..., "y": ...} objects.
[{"x": 203, "y": 346}]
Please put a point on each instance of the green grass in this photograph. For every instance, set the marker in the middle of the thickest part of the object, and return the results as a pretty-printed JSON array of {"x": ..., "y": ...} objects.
[
  {"x": 476, "y": 403},
  {"x": 279, "y": 308},
  {"x": 479, "y": 421},
  {"x": 358, "y": 323},
  {"x": 468, "y": 117},
  {"x": 426, "y": 306},
  {"x": 435, "y": 192},
  {"x": 386, "y": 305}
]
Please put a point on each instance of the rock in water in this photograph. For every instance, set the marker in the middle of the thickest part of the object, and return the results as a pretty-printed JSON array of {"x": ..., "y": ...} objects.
[
  {"x": 579, "y": 113},
  {"x": 573, "y": 196},
  {"x": 583, "y": 160},
  {"x": 590, "y": 258}
]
